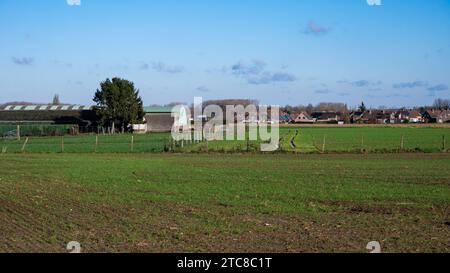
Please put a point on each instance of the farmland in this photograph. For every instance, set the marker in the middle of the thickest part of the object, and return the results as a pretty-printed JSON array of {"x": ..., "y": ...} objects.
[
  {"x": 88, "y": 143},
  {"x": 293, "y": 139},
  {"x": 231, "y": 203},
  {"x": 346, "y": 140}
]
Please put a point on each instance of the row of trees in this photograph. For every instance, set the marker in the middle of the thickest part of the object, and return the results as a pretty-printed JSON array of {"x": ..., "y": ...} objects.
[
  {"x": 439, "y": 104},
  {"x": 442, "y": 104},
  {"x": 321, "y": 107}
]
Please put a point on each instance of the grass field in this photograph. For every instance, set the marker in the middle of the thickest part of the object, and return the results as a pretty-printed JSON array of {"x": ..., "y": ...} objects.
[
  {"x": 230, "y": 203},
  {"x": 345, "y": 140},
  {"x": 119, "y": 143},
  {"x": 293, "y": 139}
]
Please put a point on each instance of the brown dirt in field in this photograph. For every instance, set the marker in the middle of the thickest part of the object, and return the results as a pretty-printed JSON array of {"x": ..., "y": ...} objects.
[
  {"x": 373, "y": 208},
  {"x": 44, "y": 215},
  {"x": 173, "y": 227},
  {"x": 347, "y": 231}
]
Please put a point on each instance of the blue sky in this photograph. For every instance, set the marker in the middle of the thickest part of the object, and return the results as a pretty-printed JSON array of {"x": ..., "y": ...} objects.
[{"x": 277, "y": 51}]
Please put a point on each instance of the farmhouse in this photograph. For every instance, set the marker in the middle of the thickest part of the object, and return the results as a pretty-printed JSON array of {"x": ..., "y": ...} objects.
[{"x": 158, "y": 119}]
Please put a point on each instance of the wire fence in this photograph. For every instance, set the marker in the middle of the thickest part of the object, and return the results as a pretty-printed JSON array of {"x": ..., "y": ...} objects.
[
  {"x": 293, "y": 140},
  {"x": 88, "y": 144},
  {"x": 29, "y": 130},
  {"x": 431, "y": 140},
  {"x": 51, "y": 129}
]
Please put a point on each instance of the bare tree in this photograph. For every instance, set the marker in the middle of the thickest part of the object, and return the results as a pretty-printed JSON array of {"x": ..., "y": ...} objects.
[
  {"x": 441, "y": 104},
  {"x": 224, "y": 103},
  {"x": 331, "y": 107}
]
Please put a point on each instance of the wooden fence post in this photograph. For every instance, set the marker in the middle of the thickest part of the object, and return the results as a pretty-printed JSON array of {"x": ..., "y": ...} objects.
[
  {"x": 96, "y": 143},
  {"x": 18, "y": 132},
  {"x": 402, "y": 143},
  {"x": 362, "y": 144},
  {"x": 24, "y": 144},
  {"x": 444, "y": 148},
  {"x": 132, "y": 143},
  {"x": 324, "y": 143}
]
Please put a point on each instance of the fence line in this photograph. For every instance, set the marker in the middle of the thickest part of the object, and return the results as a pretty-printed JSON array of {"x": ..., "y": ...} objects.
[{"x": 290, "y": 142}]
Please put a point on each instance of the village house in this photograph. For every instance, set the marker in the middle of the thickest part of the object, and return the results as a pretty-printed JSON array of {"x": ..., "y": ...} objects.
[
  {"x": 386, "y": 116},
  {"x": 368, "y": 117},
  {"x": 357, "y": 117},
  {"x": 444, "y": 116},
  {"x": 327, "y": 117},
  {"x": 415, "y": 116},
  {"x": 436, "y": 116},
  {"x": 285, "y": 117},
  {"x": 304, "y": 117},
  {"x": 406, "y": 116},
  {"x": 381, "y": 116}
]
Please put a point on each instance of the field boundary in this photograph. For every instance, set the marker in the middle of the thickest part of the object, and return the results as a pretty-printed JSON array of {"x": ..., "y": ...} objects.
[{"x": 302, "y": 140}]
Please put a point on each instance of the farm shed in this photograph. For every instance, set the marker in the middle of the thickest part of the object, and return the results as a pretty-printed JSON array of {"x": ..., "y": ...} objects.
[
  {"x": 158, "y": 119},
  {"x": 58, "y": 114}
]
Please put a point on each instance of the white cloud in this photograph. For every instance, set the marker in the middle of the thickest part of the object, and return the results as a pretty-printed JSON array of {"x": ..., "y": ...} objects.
[
  {"x": 73, "y": 2},
  {"x": 374, "y": 2}
]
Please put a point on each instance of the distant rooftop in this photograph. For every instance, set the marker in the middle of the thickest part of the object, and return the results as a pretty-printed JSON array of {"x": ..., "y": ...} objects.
[
  {"x": 157, "y": 109},
  {"x": 42, "y": 107}
]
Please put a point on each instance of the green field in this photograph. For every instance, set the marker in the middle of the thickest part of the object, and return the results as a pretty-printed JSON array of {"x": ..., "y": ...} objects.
[
  {"x": 119, "y": 143},
  {"x": 346, "y": 140},
  {"x": 292, "y": 139},
  {"x": 230, "y": 203},
  {"x": 34, "y": 129}
]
